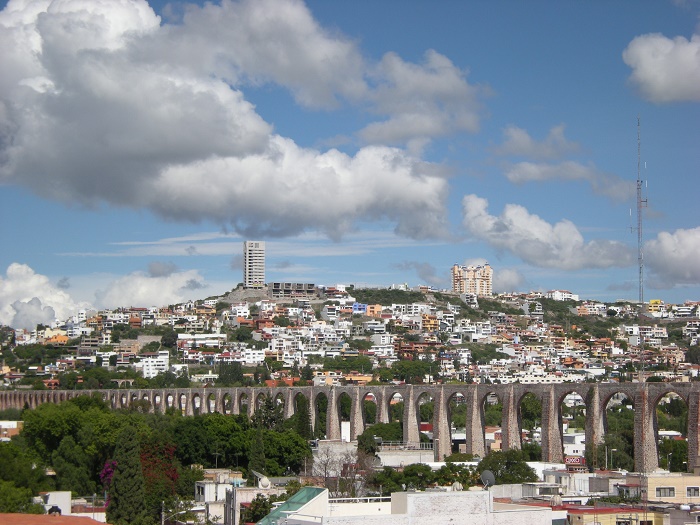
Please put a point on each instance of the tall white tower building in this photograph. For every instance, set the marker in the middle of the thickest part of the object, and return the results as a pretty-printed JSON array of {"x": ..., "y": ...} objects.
[{"x": 253, "y": 264}]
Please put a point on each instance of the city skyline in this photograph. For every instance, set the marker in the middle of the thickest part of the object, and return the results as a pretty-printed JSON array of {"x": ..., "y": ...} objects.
[{"x": 142, "y": 143}]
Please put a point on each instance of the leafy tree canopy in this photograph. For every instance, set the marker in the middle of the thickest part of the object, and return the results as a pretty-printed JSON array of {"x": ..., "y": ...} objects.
[{"x": 508, "y": 466}]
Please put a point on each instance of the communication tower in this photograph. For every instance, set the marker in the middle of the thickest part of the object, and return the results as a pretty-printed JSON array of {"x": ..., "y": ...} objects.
[{"x": 641, "y": 203}]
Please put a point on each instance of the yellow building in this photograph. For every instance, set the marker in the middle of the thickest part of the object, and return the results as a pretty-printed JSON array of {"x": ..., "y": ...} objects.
[
  {"x": 614, "y": 516},
  {"x": 656, "y": 306},
  {"x": 667, "y": 487},
  {"x": 429, "y": 323}
]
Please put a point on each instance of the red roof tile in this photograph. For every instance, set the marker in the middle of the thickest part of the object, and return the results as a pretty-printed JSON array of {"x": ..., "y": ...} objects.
[{"x": 45, "y": 519}]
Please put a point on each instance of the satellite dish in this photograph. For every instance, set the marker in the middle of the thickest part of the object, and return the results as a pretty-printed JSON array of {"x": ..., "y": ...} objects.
[
  {"x": 488, "y": 479},
  {"x": 263, "y": 481},
  {"x": 457, "y": 486}
]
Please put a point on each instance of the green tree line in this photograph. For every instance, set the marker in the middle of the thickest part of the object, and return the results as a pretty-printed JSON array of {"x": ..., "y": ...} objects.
[{"x": 80, "y": 441}]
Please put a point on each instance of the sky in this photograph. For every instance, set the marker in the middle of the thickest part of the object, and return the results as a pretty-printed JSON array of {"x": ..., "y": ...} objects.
[{"x": 367, "y": 143}]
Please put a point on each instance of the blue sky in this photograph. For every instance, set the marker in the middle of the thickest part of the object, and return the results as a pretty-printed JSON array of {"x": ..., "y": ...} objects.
[{"x": 367, "y": 143}]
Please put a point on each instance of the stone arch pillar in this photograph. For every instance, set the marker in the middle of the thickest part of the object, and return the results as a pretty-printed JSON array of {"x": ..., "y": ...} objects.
[
  {"x": 289, "y": 397},
  {"x": 189, "y": 400},
  {"x": 235, "y": 402},
  {"x": 252, "y": 401},
  {"x": 219, "y": 401},
  {"x": 595, "y": 427},
  {"x": 474, "y": 438},
  {"x": 357, "y": 420},
  {"x": 312, "y": 408},
  {"x": 552, "y": 439},
  {"x": 332, "y": 416},
  {"x": 442, "y": 440},
  {"x": 645, "y": 450},
  {"x": 411, "y": 433},
  {"x": 380, "y": 398},
  {"x": 510, "y": 429}
]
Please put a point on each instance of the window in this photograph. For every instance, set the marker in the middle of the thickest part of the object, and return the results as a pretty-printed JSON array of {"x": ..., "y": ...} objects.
[
  {"x": 665, "y": 492},
  {"x": 692, "y": 492}
]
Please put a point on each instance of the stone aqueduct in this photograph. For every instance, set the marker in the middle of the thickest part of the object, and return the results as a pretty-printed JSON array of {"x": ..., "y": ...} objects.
[{"x": 644, "y": 397}]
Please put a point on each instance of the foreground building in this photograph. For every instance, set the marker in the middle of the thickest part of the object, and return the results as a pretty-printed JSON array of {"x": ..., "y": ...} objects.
[{"x": 311, "y": 505}]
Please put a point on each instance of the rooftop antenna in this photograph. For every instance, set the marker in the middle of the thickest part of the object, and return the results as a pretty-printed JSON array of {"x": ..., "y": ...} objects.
[{"x": 641, "y": 203}]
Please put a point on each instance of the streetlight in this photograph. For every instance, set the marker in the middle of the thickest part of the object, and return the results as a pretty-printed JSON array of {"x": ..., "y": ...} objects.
[
  {"x": 668, "y": 461},
  {"x": 611, "y": 457}
]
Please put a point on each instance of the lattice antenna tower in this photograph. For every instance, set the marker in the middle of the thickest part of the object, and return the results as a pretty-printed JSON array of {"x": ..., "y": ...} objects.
[{"x": 641, "y": 203}]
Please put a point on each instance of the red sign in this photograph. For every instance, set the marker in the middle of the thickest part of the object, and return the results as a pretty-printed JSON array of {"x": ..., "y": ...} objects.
[{"x": 575, "y": 460}]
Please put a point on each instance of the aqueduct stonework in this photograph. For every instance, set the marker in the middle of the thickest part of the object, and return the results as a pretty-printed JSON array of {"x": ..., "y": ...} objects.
[{"x": 643, "y": 396}]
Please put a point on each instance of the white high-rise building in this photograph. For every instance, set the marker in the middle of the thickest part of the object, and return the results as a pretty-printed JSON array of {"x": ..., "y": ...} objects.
[{"x": 253, "y": 264}]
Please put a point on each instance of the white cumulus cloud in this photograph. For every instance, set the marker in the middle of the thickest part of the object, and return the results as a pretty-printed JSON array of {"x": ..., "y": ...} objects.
[
  {"x": 605, "y": 184},
  {"x": 294, "y": 189},
  {"x": 519, "y": 143},
  {"x": 665, "y": 69},
  {"x": 29, "y": 298},
  {"x": 142, "y": 288},
  {"x": 425, "y": 271},
  {"x": 537, "y": 242},
  {"x": 673, "y": 258},
  {"x": 257, "y": 41},
  {"x": 507, "y": 280},
  {"x": 422, "y": 101},
  {"x": 101, "y": 102}
]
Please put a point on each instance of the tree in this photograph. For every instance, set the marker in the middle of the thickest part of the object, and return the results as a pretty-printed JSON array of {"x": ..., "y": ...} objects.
[
  {"x": 256, "y": 454},
  {"x": 307, "y": 374},
  {"x": 72, "y": 468},
  {"x": 507, "y": 466},
  {"x": 127, "y": 504},
  {"x": 673, "y": 454},
  {"x": 230, "y": 374},
  {"x": 17, "y": 499},
  {"x": 284, "y": 452},
  {"x": 260, "y": 507},
  {"x": 269, "y": 414},
  {"x": 17, "y": 466},
  {"x": 411, "y": 371},
  {"x": 160, "y": 471},
  {"x": 303, "y": 418},
  {"x": 384, "y": 431}
]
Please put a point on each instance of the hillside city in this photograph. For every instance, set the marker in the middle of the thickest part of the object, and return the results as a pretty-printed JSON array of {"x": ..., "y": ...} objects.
[
  {"x": 283, "y": 334},
  {"x": 467, "y": 334}
]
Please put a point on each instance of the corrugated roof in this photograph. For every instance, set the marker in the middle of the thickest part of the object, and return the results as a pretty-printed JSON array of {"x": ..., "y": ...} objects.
[{"x": 294, "y": 503}]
